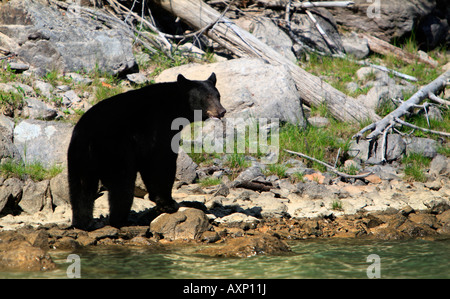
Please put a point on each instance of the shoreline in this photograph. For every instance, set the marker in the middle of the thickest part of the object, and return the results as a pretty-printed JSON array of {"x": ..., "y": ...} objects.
[{"x": 242, "y": 223}]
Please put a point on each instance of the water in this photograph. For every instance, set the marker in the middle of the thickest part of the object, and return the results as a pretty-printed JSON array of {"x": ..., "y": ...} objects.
[{"x": 331, "y": 258}]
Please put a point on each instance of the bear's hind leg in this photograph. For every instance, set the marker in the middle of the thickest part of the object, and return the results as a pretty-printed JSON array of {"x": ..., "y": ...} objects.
[{"x": 82, "y": 196}]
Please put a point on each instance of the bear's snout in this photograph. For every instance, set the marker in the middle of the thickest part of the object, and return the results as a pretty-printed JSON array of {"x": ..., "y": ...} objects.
[{"x": 216, "y": 113}]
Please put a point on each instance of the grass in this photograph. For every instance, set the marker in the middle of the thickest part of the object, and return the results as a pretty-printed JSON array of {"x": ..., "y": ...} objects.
[
  {"x": 210, "y": 181},
  {"x": 276, "y": 169},
  {"x": 10, "y": 101},
  {"x": 336, "y": 205},
  {"x": 35, "y": 170},
  {"x": 414, "y": 167}
]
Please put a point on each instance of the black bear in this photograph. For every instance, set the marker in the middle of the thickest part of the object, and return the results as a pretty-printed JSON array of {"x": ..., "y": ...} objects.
[{"x": 129, "y": 133}]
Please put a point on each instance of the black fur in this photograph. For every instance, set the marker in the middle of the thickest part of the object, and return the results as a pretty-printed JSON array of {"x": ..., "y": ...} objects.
[{"x": 131, "y": 132}]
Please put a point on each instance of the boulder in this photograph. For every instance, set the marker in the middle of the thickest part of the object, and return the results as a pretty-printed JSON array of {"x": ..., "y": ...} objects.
[
  {"x": 46, "y": 37},
  {"x": 418, "y": 145},
  {"x": 34, "y": 196},
  {"x": 186, "y": 168},
  {"x": 38, "y": 110},
  {"x": 269, "y": 33},
  {"x": 19, "y": 255},
  {"x": 386, "y": 20},
  {"x": 354, "y": 45},
  {"x": 7, "y": 148},
  {"x": 186, "y": 224},
  {"x": 249, "y": 88},
  {"x": 59, "y": 186},
  {"x": 46, "y": 142}
]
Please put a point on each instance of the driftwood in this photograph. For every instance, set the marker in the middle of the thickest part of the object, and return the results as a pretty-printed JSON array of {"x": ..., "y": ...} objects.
[
  {"x": 389, "y": 120},
  {"x": 303, "y": 5},
  {"x": 381, "y": 47},
  {"x": 255, "y": 186},
  {"x": 332, "y": 168},
  {"x": 312, "y": 89}
]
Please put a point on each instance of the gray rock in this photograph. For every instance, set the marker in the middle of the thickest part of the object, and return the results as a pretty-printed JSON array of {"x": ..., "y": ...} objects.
[
  {"x": 354, "y": 45},
  {"x": 318, "y": 121},
  {"x": 79, "y": 79},
  {"x": 425, "y": 146},
  {"x": 240, "y": 220},
  {"x": 4, "y": 196},
  {"x": 38, "y": 110},
  {"x": 270, "y": 206},
  {"x": 70, "y": 97},
  {"x": 7, "y": 148},
  {"x": 384, "y": 19},
  {"x": 34, "y": 196},
  {"x": 250, "y": 174},
  {"x": 380, "y": 94},
  {"x": 439, "y": 165},
  {"x": 186, "y": 168},
  {"x": 65, "y": 40},
  {"x": 137, "y": 78},
  {"x": 186, "y": 224},
  {"x": 269, "y": 33},
  {"x": 395, "y": 148},
  {"x": 43, "y": 141},
  {"x": 17, "y": 66},
  {"x": 59, "y": 186},
  {"x": 46, "y": 89}
]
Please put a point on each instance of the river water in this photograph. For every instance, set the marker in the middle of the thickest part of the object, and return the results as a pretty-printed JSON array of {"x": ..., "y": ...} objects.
[{"x": 319, "y": 258}]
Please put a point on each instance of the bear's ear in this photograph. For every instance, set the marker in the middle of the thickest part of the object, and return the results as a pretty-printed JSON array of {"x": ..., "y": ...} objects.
[
  {"x": 212, "y": 79},
  {"x": 182, "y": 81}
]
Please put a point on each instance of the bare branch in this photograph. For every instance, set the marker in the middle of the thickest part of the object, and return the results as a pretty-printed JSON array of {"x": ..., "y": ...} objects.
[
  {"x": 436, "y": 99},
  {"x": 333, "y": 169},
  {"x": 445, "y": 134}
]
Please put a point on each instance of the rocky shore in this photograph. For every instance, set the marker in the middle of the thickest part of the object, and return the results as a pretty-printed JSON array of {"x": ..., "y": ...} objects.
[{"x": 241, "y": 222}]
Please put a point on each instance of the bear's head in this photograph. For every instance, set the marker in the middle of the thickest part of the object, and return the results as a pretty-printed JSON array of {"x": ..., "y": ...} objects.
[{"x": 203, "y": 95}]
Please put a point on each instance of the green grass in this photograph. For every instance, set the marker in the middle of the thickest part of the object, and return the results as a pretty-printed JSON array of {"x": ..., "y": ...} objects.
[
  {"x": 276, "y": 169},
  {"x": 35, "y": 170},
  {"x": 210, "y": 181},
  {"x": 336, "y": 205},
  {"x": 9, "y": 101},
  {"x": 415, "y": 164}
]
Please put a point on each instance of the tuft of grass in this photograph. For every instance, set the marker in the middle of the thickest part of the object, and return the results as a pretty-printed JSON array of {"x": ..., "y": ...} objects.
[
  {"x": 35, "y": 170},
  {"x": 276, "y": 169},
  {"x": 336, "y": 205},
  {"x": 414, "y": 167},
  {"x": 10, "y": 101},
  {"x": 297, "y": 177},
  {"x": 210, "y": 181}
]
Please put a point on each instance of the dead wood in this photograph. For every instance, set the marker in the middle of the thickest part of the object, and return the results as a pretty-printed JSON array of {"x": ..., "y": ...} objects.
[
  {"x": 333, "y": 169},
  {"x": 381, "y": 47},
  {"x": 380, "y": 126}
]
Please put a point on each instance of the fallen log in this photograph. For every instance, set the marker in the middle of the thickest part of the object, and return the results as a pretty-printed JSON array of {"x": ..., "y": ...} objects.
[
  {"x": 380, "y": 126},
  {"x": 312, "y": 89},
  {"x": 381, "y": 47}
]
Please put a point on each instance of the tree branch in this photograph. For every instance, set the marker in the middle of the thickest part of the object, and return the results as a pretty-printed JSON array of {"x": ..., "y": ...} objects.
[{"x": 344, "y": 175}]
